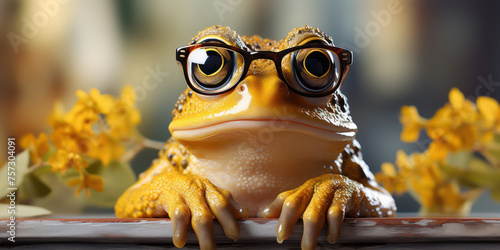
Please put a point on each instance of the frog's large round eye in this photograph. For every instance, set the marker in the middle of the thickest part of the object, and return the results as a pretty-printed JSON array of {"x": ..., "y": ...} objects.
[
  {"x": 212, "y": 67},
  {"x": 314, "y": 69}
]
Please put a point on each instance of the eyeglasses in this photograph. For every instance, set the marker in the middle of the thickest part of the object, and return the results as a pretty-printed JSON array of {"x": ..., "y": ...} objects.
[{"x": 312, "y": 70}]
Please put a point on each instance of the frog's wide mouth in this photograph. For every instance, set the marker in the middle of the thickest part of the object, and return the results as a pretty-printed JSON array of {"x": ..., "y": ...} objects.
[{"x": 264, "y": 127}]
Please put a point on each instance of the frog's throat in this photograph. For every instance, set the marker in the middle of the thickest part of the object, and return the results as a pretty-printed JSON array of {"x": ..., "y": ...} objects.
[{"x": 264, "y": 127}]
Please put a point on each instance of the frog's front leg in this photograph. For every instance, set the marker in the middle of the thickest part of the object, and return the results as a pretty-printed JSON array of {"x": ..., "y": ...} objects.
[
  {"x": 331, "y": 197},
  {"x": 165, "y": 191}
]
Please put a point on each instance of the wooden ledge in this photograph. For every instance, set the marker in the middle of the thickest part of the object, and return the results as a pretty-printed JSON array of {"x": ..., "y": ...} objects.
[{"x": 253, "y": 231}]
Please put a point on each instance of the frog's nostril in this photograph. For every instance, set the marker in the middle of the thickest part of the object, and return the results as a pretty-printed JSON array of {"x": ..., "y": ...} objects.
[{"x": 242, "y": 88}]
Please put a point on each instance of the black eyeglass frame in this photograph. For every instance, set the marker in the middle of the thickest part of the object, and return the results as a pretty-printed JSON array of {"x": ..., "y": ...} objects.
[{"x": 344, "y": 56}]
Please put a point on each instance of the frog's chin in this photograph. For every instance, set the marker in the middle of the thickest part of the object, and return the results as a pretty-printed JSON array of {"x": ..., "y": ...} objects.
[{"x": 264, "y": 130}]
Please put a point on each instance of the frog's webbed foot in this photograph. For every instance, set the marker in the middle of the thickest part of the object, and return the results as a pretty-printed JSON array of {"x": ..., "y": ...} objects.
[
  {"x": 328, "y": 196},
  {"x": 190, "y": 198}
]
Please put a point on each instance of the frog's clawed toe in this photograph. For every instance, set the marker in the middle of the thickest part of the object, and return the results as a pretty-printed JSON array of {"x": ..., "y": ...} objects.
[
  {"x": 326, "y": 197},
  {"x": 197, "y": 200}
]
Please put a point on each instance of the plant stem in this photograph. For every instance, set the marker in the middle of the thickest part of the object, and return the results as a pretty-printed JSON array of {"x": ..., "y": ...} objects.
[
  {"x": 152, "y": 144},
  {"x": 131, "y": 153},
  {"x": 102, "y": 124},
  {"x": 490, "y": 158},
  {"x": 140, "y": 142},
  {"x": 493, "y": 146},
  {"x": 36, "y": 166}
]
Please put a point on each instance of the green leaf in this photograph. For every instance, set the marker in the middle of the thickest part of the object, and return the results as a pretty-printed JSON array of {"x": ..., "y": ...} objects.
[
  {"x": 485, "y": 173},
  {"x": 461, "y": 175},
  {"x": 477, "y": 173},
  {"x": 495, "y": 144},
  {"x": 22, "y": 211},
  {"x": 496, "y": 138},
  {"x": 118, "y": 176},
  {"x": 459, "y": 159},
  {"x": 478, "y": 164},
  {"x": 495, "y": 194},
  {"x": 68, "y": 175},
  {"x": 47, "y": 155},
  {"x": 42, "y": 170},
  {"x": 494, "y": 153},
  {"x": 34, "y": 187},
  {"x": 21, "y": 166}
]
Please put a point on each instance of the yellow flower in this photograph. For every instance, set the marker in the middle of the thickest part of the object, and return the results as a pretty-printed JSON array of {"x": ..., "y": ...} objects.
[
  {"x": 123, "y": 117},
  {"x": 39, "y": 146},
  {"x": 405, "y": 166},
  {"x": 388, "y": 169},
  {"x": 438, "y": 151},
  {"x": 56, "y": 118},
  {"x": 459, "y": 125},
  {"x": 428, "y": 185},
  {"x": 396, "y": 181},
  {"x": 87, "y": 181},
  {"x": 107, "y": 148},
  {"x": 412, "y": 123},
  {"x": 449, "y": 196},
  {"x": 66, "y": 137},
  {"x": 463, "y": 108},
  {"x": 86, "y": 110},
  {"x": 453, "y": 127},
  {"x": 490, "y": 112},
  {"x": 62, "y": 160},
  {"x": 421, "y": 174},
  {"x": 425, "y": 178},
  {"x": 390, "y": 180}
]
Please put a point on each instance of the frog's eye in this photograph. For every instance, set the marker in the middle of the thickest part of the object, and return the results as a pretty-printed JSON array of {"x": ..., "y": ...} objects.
[
  {"x": 212, "y": 68},
  {"x": 314, "y": 69}
]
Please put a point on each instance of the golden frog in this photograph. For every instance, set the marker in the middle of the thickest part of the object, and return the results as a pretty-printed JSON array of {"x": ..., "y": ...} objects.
[{"x": 262, "y": 130}]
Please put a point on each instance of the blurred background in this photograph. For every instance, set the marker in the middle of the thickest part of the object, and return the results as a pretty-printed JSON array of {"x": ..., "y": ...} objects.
[{"x": 405, "y": 53}]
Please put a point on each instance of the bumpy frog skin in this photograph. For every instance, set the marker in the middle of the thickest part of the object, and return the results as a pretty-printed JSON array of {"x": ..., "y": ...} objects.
[{"x": 258, "y": 150}]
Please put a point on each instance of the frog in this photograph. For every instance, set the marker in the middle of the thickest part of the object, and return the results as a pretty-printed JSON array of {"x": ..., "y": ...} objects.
[{"x": 262, "y": 130}]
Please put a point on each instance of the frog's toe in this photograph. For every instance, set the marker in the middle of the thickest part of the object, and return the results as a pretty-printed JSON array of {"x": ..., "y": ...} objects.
[
  {"x": 315, "y": 213},
  {"x": 293, "y": 207},
  {"x": 273, "y": 210},
  {"x": 225, "y": 211},
  {"x": 201, "y": 221},
  {"x": 179, "y": 213},
  {"x": 193, "y": 199},
  {"x": 326, "y": 197},
  {"x": 336, "y": 213}
]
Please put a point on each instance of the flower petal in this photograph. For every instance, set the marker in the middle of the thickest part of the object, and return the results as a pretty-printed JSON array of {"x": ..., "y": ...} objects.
[
  {"x": 104, "y": 102},
  {"x": 388, "y": 169},
  {"x": 412, "y": 123},
  {"x": 456, "y": 98},
  {"x": 96, "y": 182},
  {"x": 128, "y": 95},
  {"x": 489, "y": 109},
  {"x": 42, "y": 145},
  {"x": 59, "y": 160}
]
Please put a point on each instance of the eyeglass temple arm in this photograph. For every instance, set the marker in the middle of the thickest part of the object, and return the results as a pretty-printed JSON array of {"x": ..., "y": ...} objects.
[{"x": 345, "y": 61}]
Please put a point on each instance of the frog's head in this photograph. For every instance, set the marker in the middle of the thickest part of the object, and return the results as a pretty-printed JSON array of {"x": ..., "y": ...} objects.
[{"x": 230, "y": 101}]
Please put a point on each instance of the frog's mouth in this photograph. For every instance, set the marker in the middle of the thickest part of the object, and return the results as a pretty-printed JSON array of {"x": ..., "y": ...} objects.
[{"x": 264, "y": 128}]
